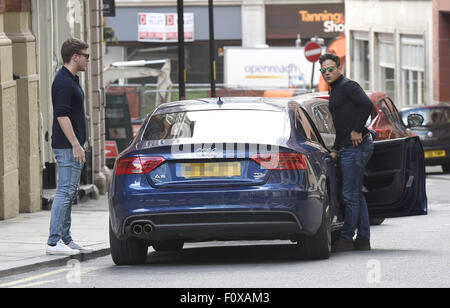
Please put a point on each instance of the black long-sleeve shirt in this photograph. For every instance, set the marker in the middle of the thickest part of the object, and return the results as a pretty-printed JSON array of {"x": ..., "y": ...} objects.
[
  {"x": 68, "y": 101},
  {"x": 350, "y": 108}
]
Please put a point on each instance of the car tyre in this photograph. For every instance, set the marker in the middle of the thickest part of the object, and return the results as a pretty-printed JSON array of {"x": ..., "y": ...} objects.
[
  {"x": 376, "y": 221},
  {"x": 174, "y": 245},
  {"x": 446, "y": 168},
  {"x": 131, "y": 251},
  {"x": 318, "y": 246}
]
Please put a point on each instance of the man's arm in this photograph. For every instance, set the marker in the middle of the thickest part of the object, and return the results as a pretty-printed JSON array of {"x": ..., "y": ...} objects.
[
  {"x": 364, "y": 105},
  {"x": 362, "y": 102},
  {"x": 67, "y": 129}
]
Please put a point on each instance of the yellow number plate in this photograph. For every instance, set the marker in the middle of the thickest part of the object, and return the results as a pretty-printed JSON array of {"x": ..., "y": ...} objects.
[
  {"x": 435, "y": 153},
  {"x": 200, "y": 170}
]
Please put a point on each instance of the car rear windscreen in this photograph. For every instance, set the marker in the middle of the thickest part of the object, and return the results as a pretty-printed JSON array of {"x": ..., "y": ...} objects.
[{"x": 249, "y": 126}]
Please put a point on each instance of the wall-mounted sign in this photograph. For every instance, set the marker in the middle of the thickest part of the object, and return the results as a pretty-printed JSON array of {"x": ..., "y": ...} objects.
[
  {"x": 308, "y": 20},
  {"x": 159, "y": 27},
  {"x": 109, "y": 8}
]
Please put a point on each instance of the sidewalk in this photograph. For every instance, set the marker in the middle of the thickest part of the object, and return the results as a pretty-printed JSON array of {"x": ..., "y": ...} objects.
[
  {"x": 23, "y": 239},
  {"x": 435, "y": 173}
]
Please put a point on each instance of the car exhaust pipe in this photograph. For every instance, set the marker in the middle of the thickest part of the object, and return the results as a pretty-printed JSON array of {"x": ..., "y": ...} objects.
[
  {"x": 148, "y": 228},
  {"x": 137, "y": 229}
]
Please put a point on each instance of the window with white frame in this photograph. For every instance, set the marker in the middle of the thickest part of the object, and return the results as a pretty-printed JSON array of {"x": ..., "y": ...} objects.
[
  {"x": 386, "y": 57},
  {"x": 361, "y": 59},
  {"x": 413, "y": 68}
]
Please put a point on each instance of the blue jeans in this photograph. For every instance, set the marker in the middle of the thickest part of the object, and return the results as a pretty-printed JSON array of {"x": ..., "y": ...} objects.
[
  {"x": 353, "y": 162},
  {"x": 69, "y": 171}
]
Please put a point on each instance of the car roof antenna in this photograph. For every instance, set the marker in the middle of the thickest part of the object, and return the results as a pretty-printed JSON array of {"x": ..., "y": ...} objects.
[{"x": 220, "y": 103}]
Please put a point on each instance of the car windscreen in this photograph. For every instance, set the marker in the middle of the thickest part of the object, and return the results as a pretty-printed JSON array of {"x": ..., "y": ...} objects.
[
  {"x": 247, "y": 126},
  {"x": 431, "y": 116}
]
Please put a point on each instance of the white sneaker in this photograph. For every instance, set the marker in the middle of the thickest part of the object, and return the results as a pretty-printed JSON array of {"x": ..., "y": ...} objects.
[
  {"x": 81, "y": 249},
  {"x": 61, "y": 249}
]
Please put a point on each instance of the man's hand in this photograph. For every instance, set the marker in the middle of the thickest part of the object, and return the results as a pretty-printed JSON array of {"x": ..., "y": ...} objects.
[
  {"x": 77, "y": 149},
  {"x": 334, "y": 155},
  {"x": 78, "y": 153},
  {"x": 356, "y": 138}
]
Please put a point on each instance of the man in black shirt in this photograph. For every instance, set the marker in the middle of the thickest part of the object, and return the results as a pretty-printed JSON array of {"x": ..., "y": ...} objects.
[
  {"x": 68, "y": 138},
  {"x": 350, "y": 108}
]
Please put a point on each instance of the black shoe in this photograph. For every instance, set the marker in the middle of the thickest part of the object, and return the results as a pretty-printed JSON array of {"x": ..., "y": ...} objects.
[
  {"x": 361, "y": 244},
  {"x": 341, "y": 245}
]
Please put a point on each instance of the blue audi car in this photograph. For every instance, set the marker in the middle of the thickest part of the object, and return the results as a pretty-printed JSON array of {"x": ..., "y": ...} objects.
[{"x": 244, "y": 169}]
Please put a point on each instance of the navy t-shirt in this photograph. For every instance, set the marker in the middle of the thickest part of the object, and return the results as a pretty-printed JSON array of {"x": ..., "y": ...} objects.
[{"x": 68, "y": 101}]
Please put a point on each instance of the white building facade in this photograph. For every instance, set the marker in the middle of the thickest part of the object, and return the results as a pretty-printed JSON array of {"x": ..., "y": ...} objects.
[{"x": 391, "y": 48}]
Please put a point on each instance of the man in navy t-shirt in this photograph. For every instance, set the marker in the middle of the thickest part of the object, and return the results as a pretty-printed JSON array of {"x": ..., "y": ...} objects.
[{"x": 68, "y": 138}]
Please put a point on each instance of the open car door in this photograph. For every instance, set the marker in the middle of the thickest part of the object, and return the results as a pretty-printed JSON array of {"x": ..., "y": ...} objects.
[{"x": 395, "y": 179}]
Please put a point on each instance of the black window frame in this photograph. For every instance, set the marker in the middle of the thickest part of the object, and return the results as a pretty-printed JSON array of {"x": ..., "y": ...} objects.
[
  {"x": 393, "y": 116},
  {"x": 323, "y": 105},
  {"x": 313, "y": 127}
]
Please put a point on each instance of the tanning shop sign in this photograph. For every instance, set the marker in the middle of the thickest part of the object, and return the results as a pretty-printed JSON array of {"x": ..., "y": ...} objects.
[
  {"x": 160, "y": 27},
  {"x": 323, "y": 20}
]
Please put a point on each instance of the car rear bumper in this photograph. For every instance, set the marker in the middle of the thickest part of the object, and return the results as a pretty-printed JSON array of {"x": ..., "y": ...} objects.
[
  {"x": 214, "y": 225},
  {"x": 253, "y": 213},
  {"x": 437, "y": 161}
]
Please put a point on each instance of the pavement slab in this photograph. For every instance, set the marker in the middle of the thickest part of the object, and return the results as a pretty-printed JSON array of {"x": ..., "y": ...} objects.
[{"x": 23, "y": 239}]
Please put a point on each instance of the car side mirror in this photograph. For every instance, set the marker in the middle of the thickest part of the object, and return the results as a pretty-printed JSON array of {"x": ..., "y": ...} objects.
[{"x": 415, "y": 120}]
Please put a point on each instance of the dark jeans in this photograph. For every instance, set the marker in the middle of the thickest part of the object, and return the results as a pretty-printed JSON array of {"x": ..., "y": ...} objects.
[
  {"x": 353, "y": 162},
  {"x": 69, "y": 171}
]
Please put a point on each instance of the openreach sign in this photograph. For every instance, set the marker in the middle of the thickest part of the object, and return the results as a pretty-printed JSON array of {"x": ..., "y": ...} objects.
[{"x": 267, "y": 68}]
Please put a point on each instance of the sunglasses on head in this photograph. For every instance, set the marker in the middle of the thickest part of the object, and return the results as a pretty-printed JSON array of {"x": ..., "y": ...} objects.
[
  {"x": 330, "y": 69},
  {"x": 86, "y": 55}
]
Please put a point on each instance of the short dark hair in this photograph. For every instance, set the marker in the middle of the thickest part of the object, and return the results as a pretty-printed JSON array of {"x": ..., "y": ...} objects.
[
  {"x": 330, "y": 56},
  {"x": 70, "y": 47}
]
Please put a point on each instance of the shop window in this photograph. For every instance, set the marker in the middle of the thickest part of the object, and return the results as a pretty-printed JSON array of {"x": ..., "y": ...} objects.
[
  {"x": 196, "y": 61},
  {"x": 388, "y": 81},
  {"x": 361, "y": 61},
  {"x": 386, "y": 51},
  {"x": 413, "y": 67}
]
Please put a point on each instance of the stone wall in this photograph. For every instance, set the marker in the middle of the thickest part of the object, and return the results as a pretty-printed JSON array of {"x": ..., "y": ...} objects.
[{"x": 17, "y": 28}]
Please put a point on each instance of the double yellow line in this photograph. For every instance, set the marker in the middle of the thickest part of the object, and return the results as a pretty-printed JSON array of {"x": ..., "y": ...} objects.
[
  {"x": 31, "y": 281},
  {"x": 23, "y": 283}
]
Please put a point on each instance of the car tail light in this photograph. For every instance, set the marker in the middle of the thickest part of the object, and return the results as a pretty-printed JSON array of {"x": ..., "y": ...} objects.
[
  {"x": 281, "y": 161},
  {"x": 138, "y": 165},
  {"x": 383, "y": 134}
]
